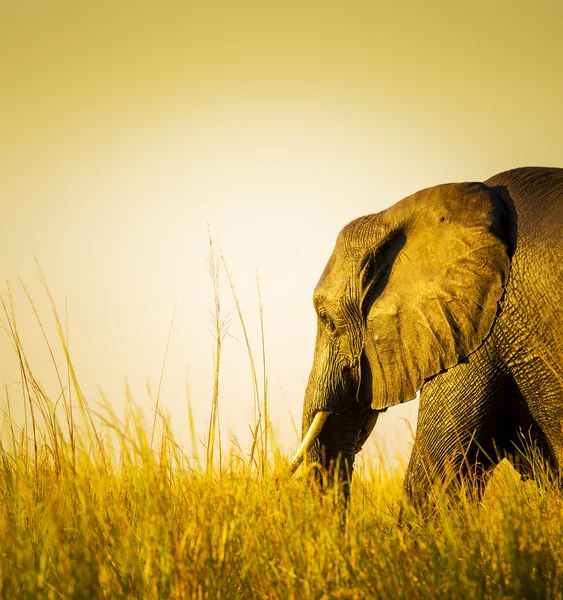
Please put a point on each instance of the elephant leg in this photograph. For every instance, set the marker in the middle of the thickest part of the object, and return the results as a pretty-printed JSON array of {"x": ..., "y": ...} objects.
[
  {"x": 542, "y": 386},
  {"x": 466, "y": 418}
]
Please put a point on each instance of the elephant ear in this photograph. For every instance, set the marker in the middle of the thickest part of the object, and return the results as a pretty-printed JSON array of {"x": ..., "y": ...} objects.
[{"x": 431, "y": 286}]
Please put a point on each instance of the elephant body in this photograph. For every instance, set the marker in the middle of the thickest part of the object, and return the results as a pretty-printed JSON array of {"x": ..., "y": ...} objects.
[
  {"x": 455, "y": 291},
  {"x": 511, "y": 387}
]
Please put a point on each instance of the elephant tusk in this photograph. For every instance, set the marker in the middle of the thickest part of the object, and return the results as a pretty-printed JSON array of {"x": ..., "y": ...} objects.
[
  {"x": 309, "y": 439},
  {"x": 367, "y": 429}
]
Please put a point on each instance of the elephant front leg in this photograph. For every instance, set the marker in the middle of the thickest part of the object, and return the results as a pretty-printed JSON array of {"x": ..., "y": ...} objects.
[{"x": 461, "y": 421}]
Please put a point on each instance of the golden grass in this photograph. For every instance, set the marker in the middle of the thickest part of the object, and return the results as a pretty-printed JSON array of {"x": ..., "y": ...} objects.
[{"x": 121, "y": 511}]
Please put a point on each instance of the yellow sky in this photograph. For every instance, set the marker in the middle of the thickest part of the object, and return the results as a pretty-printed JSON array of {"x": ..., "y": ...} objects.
[{"x": 126, "y": 129}]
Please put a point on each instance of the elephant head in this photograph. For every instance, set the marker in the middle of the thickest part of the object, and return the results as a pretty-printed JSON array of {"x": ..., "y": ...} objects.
[{"x": 406, "y": 294}]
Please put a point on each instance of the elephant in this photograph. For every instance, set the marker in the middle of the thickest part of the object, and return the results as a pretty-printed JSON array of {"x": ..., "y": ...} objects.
[{"x": 455, "y": 291}]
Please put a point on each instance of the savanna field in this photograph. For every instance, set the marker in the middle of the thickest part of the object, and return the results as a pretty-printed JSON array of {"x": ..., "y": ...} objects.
[{"x": 94, "y": 505}]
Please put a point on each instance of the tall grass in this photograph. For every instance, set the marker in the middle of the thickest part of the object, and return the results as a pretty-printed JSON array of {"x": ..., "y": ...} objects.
[{"x": 126, "y": 513}]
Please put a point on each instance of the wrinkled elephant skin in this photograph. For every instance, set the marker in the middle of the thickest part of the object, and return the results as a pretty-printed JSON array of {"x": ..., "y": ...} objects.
[{"x": 455, "y": 291}]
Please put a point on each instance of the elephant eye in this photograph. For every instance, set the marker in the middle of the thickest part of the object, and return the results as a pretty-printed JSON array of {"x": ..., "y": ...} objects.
[{"x": 327, "y": 321}]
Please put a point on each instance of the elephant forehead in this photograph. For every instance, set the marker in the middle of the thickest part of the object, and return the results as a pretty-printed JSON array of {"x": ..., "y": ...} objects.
[
  {"x": 332, "y": 286},
  {"x": 338, "y": 276},
  {"x": 362, "y": 233},
  {"x": 334, "y": 279}
]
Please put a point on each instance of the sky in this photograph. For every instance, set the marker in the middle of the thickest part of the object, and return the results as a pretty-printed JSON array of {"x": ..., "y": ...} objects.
[{"x": 131, "y": 131}]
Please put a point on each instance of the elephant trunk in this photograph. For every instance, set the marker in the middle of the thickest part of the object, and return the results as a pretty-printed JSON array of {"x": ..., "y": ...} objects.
[
  {"x": 338, "y": 442},
  {"x": 333, "y": 452},
  {"x": 335, "y": 425}
]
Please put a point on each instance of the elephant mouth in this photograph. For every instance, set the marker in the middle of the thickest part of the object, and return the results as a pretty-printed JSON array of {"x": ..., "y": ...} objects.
[
  {"x": 315, "y": 431},
  {"x": 366, "y": 429}
]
